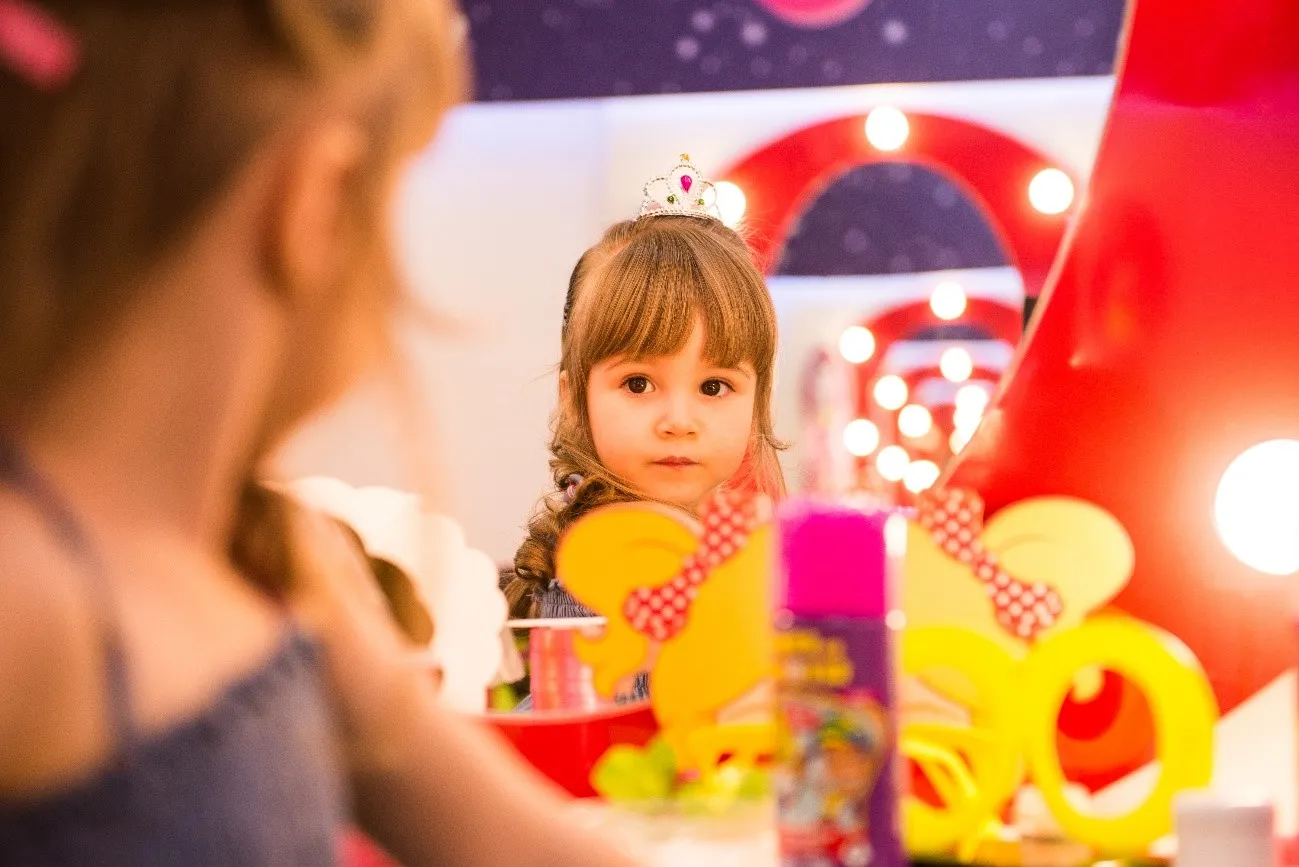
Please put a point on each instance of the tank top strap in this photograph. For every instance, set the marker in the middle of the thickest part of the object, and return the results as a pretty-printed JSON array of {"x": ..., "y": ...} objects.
[{"x": 17, "y": 472}]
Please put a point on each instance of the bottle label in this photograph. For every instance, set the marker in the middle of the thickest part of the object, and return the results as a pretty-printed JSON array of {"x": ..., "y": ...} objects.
[{"x": 836, "y": 786}]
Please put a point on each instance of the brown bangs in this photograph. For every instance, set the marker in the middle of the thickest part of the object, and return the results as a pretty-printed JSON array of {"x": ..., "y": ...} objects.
[{"x": 675, "y": 272}]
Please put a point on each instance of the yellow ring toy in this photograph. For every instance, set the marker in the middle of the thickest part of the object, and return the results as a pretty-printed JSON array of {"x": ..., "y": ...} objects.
[
  {"x": 991, "y": 744},
  {"x": 1180, "y": 700}
]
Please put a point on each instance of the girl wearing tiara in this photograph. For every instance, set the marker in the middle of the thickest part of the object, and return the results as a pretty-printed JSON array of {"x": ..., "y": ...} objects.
[{"x": 665, "y": 377}]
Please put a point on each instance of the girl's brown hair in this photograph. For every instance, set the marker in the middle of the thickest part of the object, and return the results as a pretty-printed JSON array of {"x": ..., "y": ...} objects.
[
  {"x": 103, "y": 176},
  {"x": 639, "y": 292}
]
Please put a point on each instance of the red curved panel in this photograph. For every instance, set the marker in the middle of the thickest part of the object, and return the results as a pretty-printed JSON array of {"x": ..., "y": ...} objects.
[{"x": 1166, "y": 340}]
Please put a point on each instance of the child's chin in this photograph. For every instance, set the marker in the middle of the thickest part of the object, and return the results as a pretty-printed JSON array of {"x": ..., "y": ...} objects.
[{"x": 682, "y": 496}]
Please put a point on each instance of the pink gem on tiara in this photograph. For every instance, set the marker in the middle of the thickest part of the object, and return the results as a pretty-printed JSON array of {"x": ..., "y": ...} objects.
[
  {"x": 682, "y": 192},
  {"x": 36, "y": 46}
]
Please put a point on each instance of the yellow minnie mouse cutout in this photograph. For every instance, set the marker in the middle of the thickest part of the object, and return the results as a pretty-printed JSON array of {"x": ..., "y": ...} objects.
[
  {"x": 1004, "y": 621},
  {"x": 690, "y": 602}
]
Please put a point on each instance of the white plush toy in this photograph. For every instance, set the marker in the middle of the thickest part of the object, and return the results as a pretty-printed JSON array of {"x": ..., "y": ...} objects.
[{"x": 457, "y": 584}]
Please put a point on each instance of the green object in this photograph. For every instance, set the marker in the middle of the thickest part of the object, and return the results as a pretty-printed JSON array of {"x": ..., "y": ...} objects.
[
  {"x": 661, "y": 758},
  {"x": 755, "y": 785},
  {"x": 502, "y": 699},
  {"x": 627, "y": 774}
]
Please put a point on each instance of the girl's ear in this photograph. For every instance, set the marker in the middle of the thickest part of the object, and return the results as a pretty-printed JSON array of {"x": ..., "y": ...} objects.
[{"x": 308, "y": 246}]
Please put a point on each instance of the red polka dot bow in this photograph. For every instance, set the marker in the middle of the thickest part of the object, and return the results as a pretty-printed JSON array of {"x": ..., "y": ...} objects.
[
  {"x": 661, "y": 612},
  {"x": 954, "y": 518}
]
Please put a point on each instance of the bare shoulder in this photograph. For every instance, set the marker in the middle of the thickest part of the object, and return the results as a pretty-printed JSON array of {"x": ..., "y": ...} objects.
[{"x": 47, "y": 652}]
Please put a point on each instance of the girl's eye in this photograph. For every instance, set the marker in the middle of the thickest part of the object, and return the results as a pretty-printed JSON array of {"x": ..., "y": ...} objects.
[
  {"x": 715, "y": 387},
  {"x": 636, "y": 384}
]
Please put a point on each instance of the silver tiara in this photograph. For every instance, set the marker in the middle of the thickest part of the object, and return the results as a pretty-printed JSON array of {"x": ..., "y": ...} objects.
[{"x": 682, "y": 192}]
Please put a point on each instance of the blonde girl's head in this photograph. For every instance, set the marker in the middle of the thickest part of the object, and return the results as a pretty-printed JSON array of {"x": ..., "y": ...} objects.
[{"x": 110, "y": 175}]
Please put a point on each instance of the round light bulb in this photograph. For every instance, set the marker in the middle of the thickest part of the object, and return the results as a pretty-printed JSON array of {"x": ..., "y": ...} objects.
[
  {"x": 956, "y": 364},
  {"x": 971, "y": 399},
  {"x": 1051, "y": 191},
  {"x": 892, "y": 463},
  {"x": 861, "y": 437},
  {"x": 920, "y": 476},
  {"x": 1257, "y": 507},
  {"x": 731, "y": 203},
  {"x": 959, "y": 440},
  {"x": 891, "y": 391},
  {"x": 948, "y": 301},
  {"x": 856, "y": 344},
  {"x": 887, "y": 128},
  {"x": 915, "y": 421},
  {"x": 966, "y": 422}
]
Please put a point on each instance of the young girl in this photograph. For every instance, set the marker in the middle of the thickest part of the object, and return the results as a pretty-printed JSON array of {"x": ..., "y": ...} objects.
[
  {"x": 193, "y": 258},
  {"x": 665, "y": 377}
]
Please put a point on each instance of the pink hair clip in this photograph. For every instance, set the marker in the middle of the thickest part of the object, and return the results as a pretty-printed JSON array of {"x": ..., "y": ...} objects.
[{"x": 35, "y": 45}]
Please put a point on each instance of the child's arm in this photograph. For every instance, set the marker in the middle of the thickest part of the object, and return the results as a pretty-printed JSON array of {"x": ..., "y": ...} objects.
[{"x": 430, "y": 786}]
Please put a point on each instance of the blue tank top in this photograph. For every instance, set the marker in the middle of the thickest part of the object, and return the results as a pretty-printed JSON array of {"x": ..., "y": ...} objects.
[{"x": 251, "y": 780}]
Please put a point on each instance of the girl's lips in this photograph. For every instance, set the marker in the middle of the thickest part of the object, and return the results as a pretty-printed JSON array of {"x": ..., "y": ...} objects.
[{"x": 675, "y": 462}]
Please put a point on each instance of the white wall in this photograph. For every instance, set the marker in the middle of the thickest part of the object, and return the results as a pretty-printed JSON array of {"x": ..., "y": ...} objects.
[{"x": 494, "y": 216}]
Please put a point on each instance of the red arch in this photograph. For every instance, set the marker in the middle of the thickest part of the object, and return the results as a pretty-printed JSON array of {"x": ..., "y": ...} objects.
[
  {"x": 999, "y": 319},
  {"x": 781, "y": 179}
]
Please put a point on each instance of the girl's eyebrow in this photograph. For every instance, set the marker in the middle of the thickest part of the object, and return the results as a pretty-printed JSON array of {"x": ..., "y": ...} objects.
[
  {"x": 743, "y": 368},
  {"x": 626, "y": 360}
]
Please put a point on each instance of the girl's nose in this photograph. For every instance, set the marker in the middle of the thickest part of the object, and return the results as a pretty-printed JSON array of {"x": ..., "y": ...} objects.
[{"x": 679, "y": 417}]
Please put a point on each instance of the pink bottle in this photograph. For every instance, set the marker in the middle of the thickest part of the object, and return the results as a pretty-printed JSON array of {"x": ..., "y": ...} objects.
[{"x": 837, "y": 780}]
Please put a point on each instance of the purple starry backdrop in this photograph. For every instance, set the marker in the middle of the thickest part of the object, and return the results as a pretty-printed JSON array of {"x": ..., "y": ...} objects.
[
  {"x": 564, "y": 49},
  {"x": 890, "y": 219},
  {"x": 874, "y": 220}
]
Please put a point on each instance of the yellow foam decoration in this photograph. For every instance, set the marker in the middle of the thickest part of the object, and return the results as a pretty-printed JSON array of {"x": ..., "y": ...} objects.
[
  {"x": 1014, "y": 706},
  {"x": 1011, "y": 690},
  {"x": 1181, "y": 703},
  {"x": 1077, "y": 548},
  {"x": 722, "y": 656},
  {"x": 991, "y": 744}
]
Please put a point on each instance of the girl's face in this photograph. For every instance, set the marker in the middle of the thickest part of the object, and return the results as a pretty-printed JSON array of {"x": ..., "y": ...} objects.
[{"x": 673, "y": 427}]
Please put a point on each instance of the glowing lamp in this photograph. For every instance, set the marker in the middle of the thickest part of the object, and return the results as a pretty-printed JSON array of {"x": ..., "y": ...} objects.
[
  {"x": 731, "y": 203},
  {"x": 915, "y": 421},
  {"x": 1257, "y": 507},
  {"x": 887, "y": 128},
  {"x": 1051, "y": 191},
  {"x": 956, "y": 364},
  {"x": 892, "y": 463},
  {"x": 920, "y": 476},
  {"x": 948, "y": 300},
  {"x": 972, "y": 399},
  {"x": 861, "y": 437},
  {"x": 857, "y": 344},
  {"x": 891, "y": 392}
]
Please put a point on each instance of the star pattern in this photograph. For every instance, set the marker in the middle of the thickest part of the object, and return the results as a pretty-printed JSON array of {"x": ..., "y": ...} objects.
[{"x": 565, "y": 49}]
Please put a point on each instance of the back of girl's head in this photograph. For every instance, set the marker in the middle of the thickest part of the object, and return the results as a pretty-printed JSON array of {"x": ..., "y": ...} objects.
[
  {"x": 639, "y": 293},
  {"x": 104, "y": 174}
]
